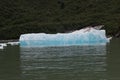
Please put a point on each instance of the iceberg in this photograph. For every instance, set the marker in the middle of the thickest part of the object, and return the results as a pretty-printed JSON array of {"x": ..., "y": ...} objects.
[{"x": 85, "y": 36}]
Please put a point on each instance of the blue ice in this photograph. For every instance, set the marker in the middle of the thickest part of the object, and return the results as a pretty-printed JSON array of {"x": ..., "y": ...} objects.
[{"x": 86, "y": 36}]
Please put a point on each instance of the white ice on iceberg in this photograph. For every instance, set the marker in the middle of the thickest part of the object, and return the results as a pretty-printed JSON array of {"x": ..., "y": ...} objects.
[{"x": 85, "y": 36}]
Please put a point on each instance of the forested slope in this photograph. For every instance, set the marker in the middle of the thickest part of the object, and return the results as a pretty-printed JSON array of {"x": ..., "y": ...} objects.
[{"x": 51, "y": 16}]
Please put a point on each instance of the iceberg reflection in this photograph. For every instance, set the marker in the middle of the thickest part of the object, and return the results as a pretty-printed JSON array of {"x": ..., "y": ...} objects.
[{"x": 64, "y": 63}]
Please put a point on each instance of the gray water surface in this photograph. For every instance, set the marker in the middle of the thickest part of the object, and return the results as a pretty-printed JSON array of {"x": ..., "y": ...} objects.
[{"x": 61, "y": 63}]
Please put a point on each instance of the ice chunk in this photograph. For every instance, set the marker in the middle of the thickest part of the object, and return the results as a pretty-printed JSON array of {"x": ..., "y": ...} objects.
[
  {"x": 86, "y": 36},
  {"x": 2, "y": 45},
  {"x": 13, "y": 43}
]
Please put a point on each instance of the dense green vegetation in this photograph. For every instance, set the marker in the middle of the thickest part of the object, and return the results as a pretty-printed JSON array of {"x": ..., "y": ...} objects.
[{"x": 27, "y": 16}]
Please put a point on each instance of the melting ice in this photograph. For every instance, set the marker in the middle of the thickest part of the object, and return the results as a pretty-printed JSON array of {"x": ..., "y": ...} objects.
[{"x": 86, "y": 36}]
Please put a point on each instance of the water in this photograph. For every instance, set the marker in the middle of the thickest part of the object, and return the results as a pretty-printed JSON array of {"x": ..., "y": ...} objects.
[{"x": 61, "y": 63}]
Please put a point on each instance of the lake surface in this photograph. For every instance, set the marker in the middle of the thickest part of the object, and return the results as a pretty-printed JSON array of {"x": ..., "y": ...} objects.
[{"x": 61, "y": 63}]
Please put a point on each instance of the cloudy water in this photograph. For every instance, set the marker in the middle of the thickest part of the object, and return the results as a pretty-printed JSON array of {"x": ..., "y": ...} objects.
[{"x": 61, "y": 63}]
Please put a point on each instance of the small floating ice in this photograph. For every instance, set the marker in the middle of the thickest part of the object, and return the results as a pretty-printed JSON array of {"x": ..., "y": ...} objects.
[
  {"x": 13, "y": 43},
  {"x": 85, "y": 36},
  {"x": 2, "y": 45}
]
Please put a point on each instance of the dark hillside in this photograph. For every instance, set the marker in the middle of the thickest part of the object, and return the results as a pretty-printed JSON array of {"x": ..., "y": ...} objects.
[{"x": 52, "y": 16}]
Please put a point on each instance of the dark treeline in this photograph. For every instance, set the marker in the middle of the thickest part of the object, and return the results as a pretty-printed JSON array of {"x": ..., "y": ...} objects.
[{"x": 51, "y": 16}]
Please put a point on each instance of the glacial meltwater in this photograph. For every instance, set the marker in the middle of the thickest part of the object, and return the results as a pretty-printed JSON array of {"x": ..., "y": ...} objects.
[{"x": 94, "y": 62}]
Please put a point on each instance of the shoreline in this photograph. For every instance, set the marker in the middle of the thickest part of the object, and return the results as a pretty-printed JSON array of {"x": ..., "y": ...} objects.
[{"x": 11, "y": 40}]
